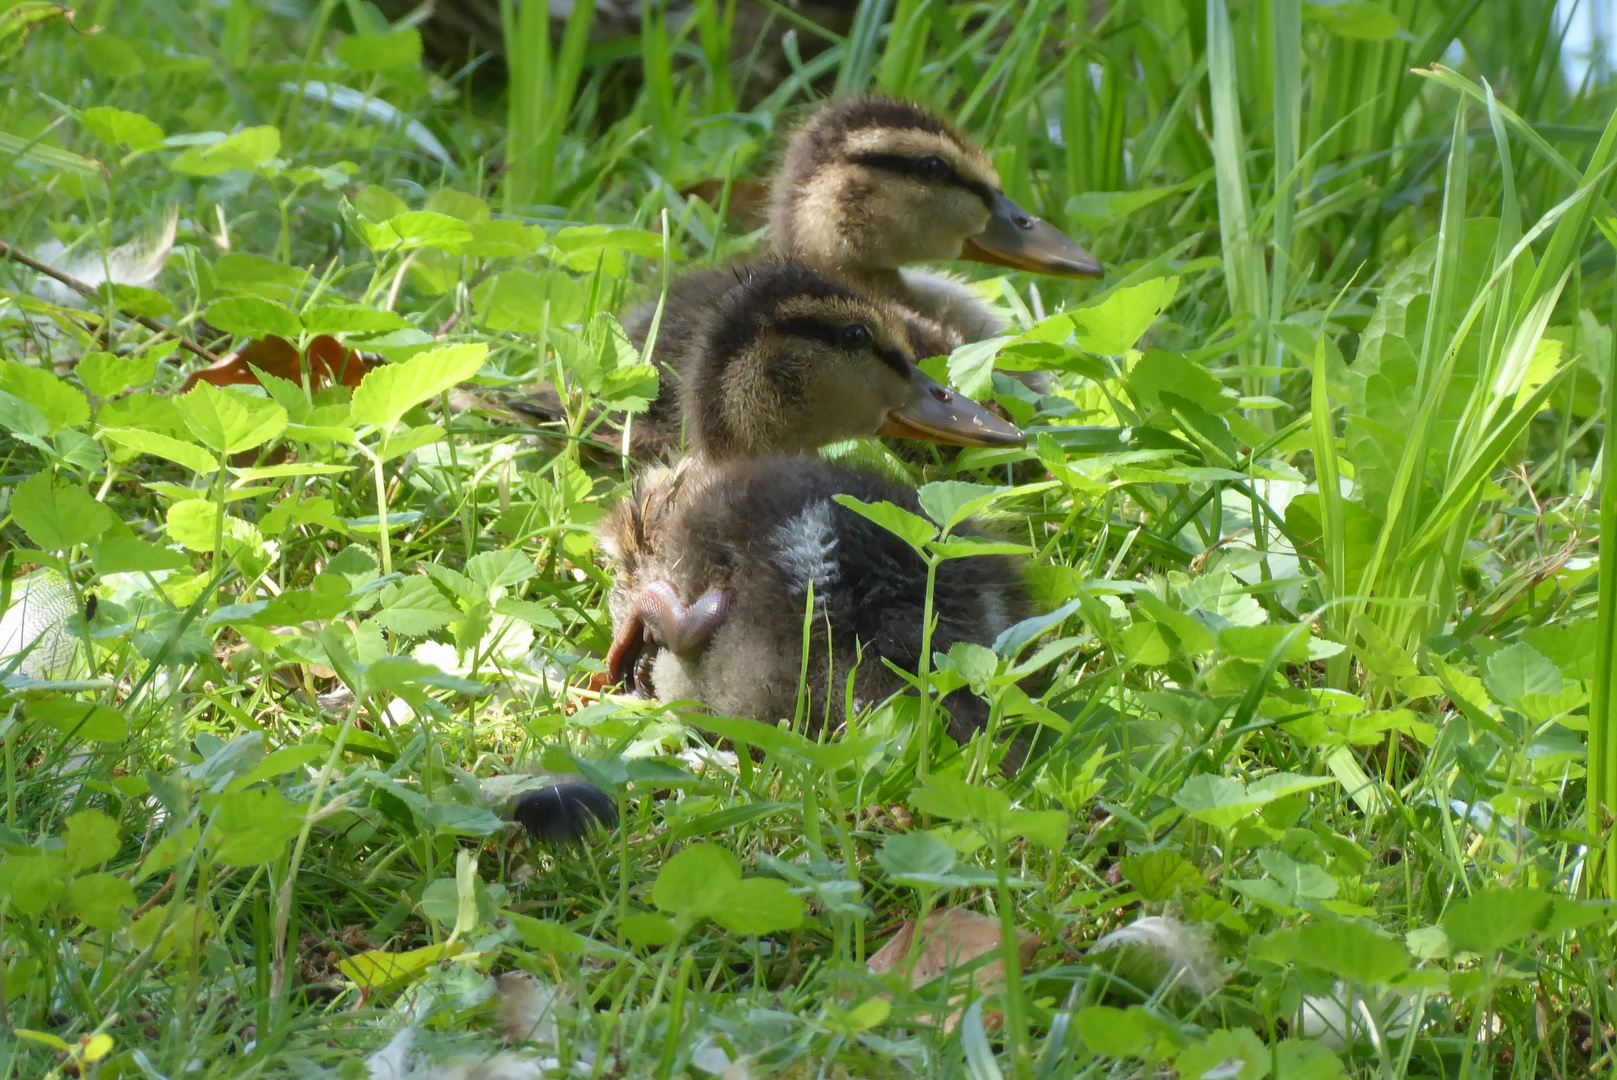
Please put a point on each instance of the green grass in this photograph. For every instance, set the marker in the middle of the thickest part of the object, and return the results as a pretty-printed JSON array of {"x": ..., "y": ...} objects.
[{"x": 1329, "y": 681}]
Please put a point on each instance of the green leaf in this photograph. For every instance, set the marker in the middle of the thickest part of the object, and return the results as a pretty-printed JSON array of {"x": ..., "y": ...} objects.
[
  {"x": 647, "y": 929},
  {"x": 100, "y": 900},
  {"x": 696, "y": 882},
  {"x": 1492, "y": 919},
  {"x": 1159, "y": 371},
  {"x": 1134, "y": 1032},
  {"x": 34, "y": 882},
  {"x": 351, "y": 320},
  {"x": 497, "y": 569},
  {"x": 255, "y": 275},
  {"x": 248, "y": 316},
  {"x": 1115, "y": 324},
  {"x": 424, "y": 229},
  {"x": 190, "y": 455},
  {"x": 106, "y": 375},
  {"x": 760, "y": 906},
  {"x": 1158, "y": 875},
  {"x": 193, "y": 523},
  {"x": 582, "y": 247},
  {"x": 57, "y": 517},
  {"x": 906, "y": 855},
  {"x": 1300, "y": 1059},
  {"x": 526, "y": 302},
  {"x": 92, "y": 839},
  {"x": 415, "y": 606},
  {"x": 116, "y": 128},
  {"x": 381, "y": 52},
  {"x": 913, "y": 529},
  {"x": 1517, "y": 671},
  {"x": 253, "y": 826},
  {"x": 228, "y": 422},
  {"x": 541, "y": 935},
  {"x": 247, "y": 150},
  {"x": 949, "y": 502},
  {"x": 62, "y": 405},
  {"x": 1351, "y": 951},
  {"x": 80, "y": 720},
  {"x": 388, "y": 392},
  {"x": 1237, "y": 1054},
  {"x": 1362, "y": 20}
]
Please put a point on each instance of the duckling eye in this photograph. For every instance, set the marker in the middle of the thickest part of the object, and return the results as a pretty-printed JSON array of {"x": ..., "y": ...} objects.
[
  {"x": 930, "y": 168},
  {"x": 855, "y": 336}
]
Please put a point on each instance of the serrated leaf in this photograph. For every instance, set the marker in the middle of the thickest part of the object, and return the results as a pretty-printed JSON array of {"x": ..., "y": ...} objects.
[
  {"x": 157, "y": 444},
  {"x": 496, "y": 569},
  {"x": 80, "y": 720},
  {"x": 116, "y": 127},
  {"x": 57, "y": 517},
  {"x": 387, "y": 393},
  {"x": 949, "y": 502},
  {"x": 92, "y": 839},
  {"x": 102, "y": 901},
  {"x": 253, "y": 826},
  {"x": 1115, "y": 324},
  {"x": 63, "y": 406},
  {"x": 415, "y": 606},
  {"x": 228, "y": 422},
  {"x": 1492, "y": 919},
  {"x": 250, "y": 317},
  {"x": 913, "y": 529},
  {"x": 106, "y": 375},
  {"x": 1352, "y": 951}
]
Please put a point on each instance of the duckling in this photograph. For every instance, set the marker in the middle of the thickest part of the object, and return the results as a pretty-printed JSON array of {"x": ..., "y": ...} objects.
[
  {"x": 868, "y": 187},
  {"x": 715, "y": 568},
  {"x": 714, "y": 558},
  {"x": 787, "y": 361}
]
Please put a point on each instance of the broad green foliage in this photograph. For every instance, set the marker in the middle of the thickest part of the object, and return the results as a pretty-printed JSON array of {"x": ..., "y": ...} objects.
[{"x": 1314, "y": 704}]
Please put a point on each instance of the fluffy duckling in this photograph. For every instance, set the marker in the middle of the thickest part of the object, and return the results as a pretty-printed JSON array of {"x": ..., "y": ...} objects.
[
  {"x": 715, "y": 567},
  {"x": 787, "y": 361},
  {"x": 871, "y": 186},
  {"x": 868, "y": 187},
  {"x": 715, "y": 557}
]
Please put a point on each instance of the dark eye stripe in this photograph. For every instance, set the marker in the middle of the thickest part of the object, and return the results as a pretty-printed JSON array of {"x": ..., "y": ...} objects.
[
  {"x": 807, "y": 326},
  {"x": 899, "y": 163}
]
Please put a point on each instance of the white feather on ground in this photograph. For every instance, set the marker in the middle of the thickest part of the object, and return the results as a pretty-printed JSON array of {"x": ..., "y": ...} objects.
[
  {"x": 1157, "y": 949},
  {"x": 39, "y": 627},
  {"x": 135, "y": 263}
]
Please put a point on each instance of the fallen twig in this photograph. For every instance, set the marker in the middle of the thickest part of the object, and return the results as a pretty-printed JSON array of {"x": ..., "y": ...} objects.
[{"x": 10, "y": 252}]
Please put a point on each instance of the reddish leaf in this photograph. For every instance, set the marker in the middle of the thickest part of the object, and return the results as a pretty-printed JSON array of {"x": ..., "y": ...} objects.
[{"x": 329, "y": 363}]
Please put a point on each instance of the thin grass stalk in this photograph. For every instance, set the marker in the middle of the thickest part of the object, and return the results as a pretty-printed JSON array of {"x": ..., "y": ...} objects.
[
  {"x": 1078, "y": 93},
  {"x": 713, "y": 30},
  {"x": 1602, "y": 878},
  {"x": 859, "y": 62},
  {"x": 1287, "y": 39},
  {"x": 1243, "y": 261},
  {"x": 906, "y": 48},
  {"x": 527, "y": 49}
]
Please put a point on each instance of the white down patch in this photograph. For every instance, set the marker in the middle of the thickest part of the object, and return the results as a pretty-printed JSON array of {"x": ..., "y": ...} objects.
[{"x": 806, "y": 552}]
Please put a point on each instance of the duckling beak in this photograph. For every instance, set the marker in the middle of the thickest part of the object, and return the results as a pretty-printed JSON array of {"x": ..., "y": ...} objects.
[
  {"x": 1018, "y": 240},
  {"x": 937, "y": 414}
]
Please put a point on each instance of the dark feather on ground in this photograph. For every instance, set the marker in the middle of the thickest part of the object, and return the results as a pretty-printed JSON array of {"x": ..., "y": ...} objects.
[{"x": 565, "y": 813}]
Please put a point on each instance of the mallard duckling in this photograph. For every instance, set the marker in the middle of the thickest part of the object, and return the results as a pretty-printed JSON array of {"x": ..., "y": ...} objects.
[
  {"x": 868, "y": 187},
  {"x": 714, "y": 569},
  {"x": 714, "y": 558},
  {"x": 787, "y": 361}
]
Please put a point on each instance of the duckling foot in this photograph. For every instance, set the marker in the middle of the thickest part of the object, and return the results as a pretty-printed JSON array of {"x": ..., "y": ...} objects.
[{"x": 659, "y": 617}]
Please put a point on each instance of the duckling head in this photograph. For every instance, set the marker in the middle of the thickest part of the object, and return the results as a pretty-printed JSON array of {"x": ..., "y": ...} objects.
[
  {"x": 791, "y": 360},
  {"x": 869, "y": 185}
]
